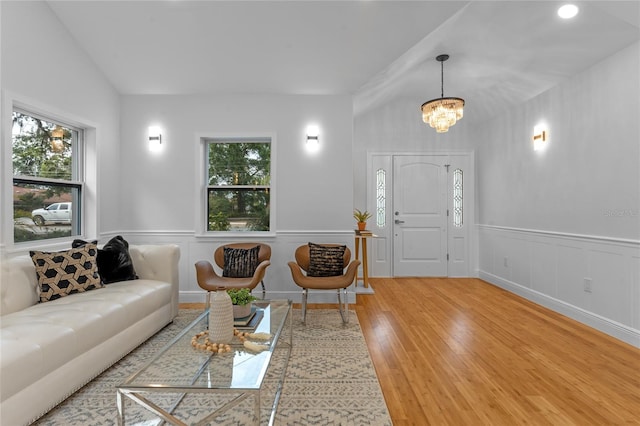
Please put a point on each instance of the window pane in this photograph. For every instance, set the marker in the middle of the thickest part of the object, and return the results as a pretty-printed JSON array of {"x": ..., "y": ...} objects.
[
  {"x": 238, "y": 209},
  {"x": 239, "y": 163},
  {"x": 44, "y": 211},
  {"x": 41, "y": 148}
]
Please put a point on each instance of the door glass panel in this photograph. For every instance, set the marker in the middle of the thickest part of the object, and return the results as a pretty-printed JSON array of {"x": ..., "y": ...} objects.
[
  {"x": 380, "y": 198},
  {"x": 457, "y": 198}
]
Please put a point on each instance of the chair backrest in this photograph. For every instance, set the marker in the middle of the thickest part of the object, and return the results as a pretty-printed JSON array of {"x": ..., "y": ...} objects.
[
  {"x": 264, "y": 253},
  {"x": 302, "y": 256}
]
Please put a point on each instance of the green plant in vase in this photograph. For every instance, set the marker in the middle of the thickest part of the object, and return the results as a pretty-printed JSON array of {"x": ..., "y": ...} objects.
[
  {"x": 361, "y": 218},
  {"x": 241, "y": 299}
]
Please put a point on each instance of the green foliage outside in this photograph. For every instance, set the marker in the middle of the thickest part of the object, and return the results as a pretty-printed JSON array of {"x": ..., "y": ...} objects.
[
  {"x": 26, "y": 203},
  {"x": 241, "y": 173},
  {"x": 218, "y": 221},
  {"x": 33, "y": 149},
  {"x": 22, "y": 235}
]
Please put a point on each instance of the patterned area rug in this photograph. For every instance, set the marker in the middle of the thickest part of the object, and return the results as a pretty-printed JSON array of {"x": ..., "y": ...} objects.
[{"x": 330, "y": 380}]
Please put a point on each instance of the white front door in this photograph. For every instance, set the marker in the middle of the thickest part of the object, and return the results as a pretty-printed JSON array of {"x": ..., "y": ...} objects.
[{"x": 420, "y": 216}]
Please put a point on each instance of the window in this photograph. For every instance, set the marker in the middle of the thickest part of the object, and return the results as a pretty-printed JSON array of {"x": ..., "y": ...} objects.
[
  {"x": 238, "y": 184},
  {"x": 47, "y": 178},
  {"x": 457, "y": 198},
  {"x": 380, "y": 198}
]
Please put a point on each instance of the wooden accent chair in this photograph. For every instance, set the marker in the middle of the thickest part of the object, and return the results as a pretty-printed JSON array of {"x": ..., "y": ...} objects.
[
  {"x": 300, "y": 273},
  {"x": 210, "y": 281}
]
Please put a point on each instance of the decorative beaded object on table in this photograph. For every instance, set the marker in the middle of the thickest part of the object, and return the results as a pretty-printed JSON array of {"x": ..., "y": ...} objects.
[{"x": 220, "y": 348}]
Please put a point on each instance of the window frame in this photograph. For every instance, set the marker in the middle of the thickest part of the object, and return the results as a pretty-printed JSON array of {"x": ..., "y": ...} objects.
[
  {"x": 204, "y": 139},
  {"x": 83, "y": 143}
]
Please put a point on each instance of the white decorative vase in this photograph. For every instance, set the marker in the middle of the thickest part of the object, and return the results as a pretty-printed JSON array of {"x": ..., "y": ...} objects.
[
  {"x": 220, "y": 317},
  {"x": 241, "y": 311}
]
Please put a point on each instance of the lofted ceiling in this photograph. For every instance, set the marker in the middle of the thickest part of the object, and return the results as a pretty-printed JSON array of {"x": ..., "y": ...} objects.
[{"x": 502, "y": 52}]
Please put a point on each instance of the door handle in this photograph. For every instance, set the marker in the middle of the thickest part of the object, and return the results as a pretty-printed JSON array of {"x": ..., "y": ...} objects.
[{"x": 398, "y": 221}]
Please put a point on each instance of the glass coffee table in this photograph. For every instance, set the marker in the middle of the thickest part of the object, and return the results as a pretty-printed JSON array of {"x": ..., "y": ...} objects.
[{"x": 216, "y": 382}]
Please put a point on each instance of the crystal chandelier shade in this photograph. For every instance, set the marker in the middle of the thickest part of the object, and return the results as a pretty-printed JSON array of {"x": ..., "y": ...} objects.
[{"x": 442, "y": 113}]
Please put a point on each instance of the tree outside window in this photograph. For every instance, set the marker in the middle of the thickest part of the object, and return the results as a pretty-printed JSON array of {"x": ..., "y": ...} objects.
[{"x": 238, "y": 184}]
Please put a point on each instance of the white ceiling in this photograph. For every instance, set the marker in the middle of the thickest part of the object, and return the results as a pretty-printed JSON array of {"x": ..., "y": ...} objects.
[{"x": 502, "y": 53}]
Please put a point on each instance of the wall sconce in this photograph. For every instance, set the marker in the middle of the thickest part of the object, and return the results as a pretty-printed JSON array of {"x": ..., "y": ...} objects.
[
  {"x": 540, "y": 137},
  {"x": 313, "y": 136},
  {"x": 155, "y": 138}
]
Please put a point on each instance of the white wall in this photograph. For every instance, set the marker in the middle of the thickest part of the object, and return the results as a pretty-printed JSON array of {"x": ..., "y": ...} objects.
[
  {"x": 313, "y": 192},
  {"x": 42, "y": 68},
  {"x": 587, "y": 181},
  {"x": 552, "y": 221}
]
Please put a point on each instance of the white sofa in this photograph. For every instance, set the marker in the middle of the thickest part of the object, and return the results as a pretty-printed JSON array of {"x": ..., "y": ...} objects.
[{"x": 49, "y": 350}]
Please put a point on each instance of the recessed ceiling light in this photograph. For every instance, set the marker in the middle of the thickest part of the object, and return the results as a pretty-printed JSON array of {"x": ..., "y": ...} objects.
[{"x": 568, "y": 11}]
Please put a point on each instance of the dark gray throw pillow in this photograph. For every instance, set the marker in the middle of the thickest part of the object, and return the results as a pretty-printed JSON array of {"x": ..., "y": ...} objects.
[
  {"x": 239, "y": 262},
  {"x": 325, "y": 261}
]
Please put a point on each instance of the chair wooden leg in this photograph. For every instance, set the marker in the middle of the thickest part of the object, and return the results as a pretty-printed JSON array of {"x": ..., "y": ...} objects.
[
  {"x": 344, "y": 309},
  {"x": 207, "y": 303},
  {"x": 304, "y": 305},
  {"x": 346, "y": 304},
  {"x": 264, "y": 293}
]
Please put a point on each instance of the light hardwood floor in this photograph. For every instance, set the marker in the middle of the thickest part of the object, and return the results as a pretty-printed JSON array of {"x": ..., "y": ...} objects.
[{"x": 464, "y": 352}]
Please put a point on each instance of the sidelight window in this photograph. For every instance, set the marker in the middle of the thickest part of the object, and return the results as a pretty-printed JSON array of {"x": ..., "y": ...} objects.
[
  {"x": 380, "y": 198},
  {"x": 457, "y": 198}
]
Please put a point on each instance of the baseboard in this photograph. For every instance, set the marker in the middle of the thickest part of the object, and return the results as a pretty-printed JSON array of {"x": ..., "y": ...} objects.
[{"x": 611, "y": 328}]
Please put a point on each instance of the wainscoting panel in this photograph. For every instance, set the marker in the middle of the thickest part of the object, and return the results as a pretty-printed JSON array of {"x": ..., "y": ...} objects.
[
  {"x": 611, "y": 286},
  {"x": 591, "y": 279},
  {"x": 543, "y": 268},
  {"x": 570, "y": 276}
]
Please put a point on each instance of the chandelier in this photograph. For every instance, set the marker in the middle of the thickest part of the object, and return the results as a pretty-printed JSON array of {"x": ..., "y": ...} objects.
[{"x": 442, "y": 113}]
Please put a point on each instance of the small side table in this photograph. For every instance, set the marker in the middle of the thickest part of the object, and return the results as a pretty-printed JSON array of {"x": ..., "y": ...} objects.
[{"x": 365, "y": 258}]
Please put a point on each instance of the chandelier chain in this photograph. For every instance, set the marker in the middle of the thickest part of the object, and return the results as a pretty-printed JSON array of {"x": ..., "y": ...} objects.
[{"x": 442, "y": 79}]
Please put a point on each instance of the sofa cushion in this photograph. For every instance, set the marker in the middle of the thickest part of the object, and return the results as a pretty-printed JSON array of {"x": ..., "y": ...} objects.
[
  {"x": 326, "y": 260},
  {"x": 66, "y": 272},
  {"x": 239, "y": 262}
]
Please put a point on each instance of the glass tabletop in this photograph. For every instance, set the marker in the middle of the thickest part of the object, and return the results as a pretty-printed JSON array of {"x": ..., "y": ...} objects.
[{"x": 181, "y": 366}]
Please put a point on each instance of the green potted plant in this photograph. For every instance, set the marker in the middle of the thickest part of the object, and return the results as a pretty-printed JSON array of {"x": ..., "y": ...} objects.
[
  {"x": 361, "y": 218},
  {"x": 241, "y": 299}
]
